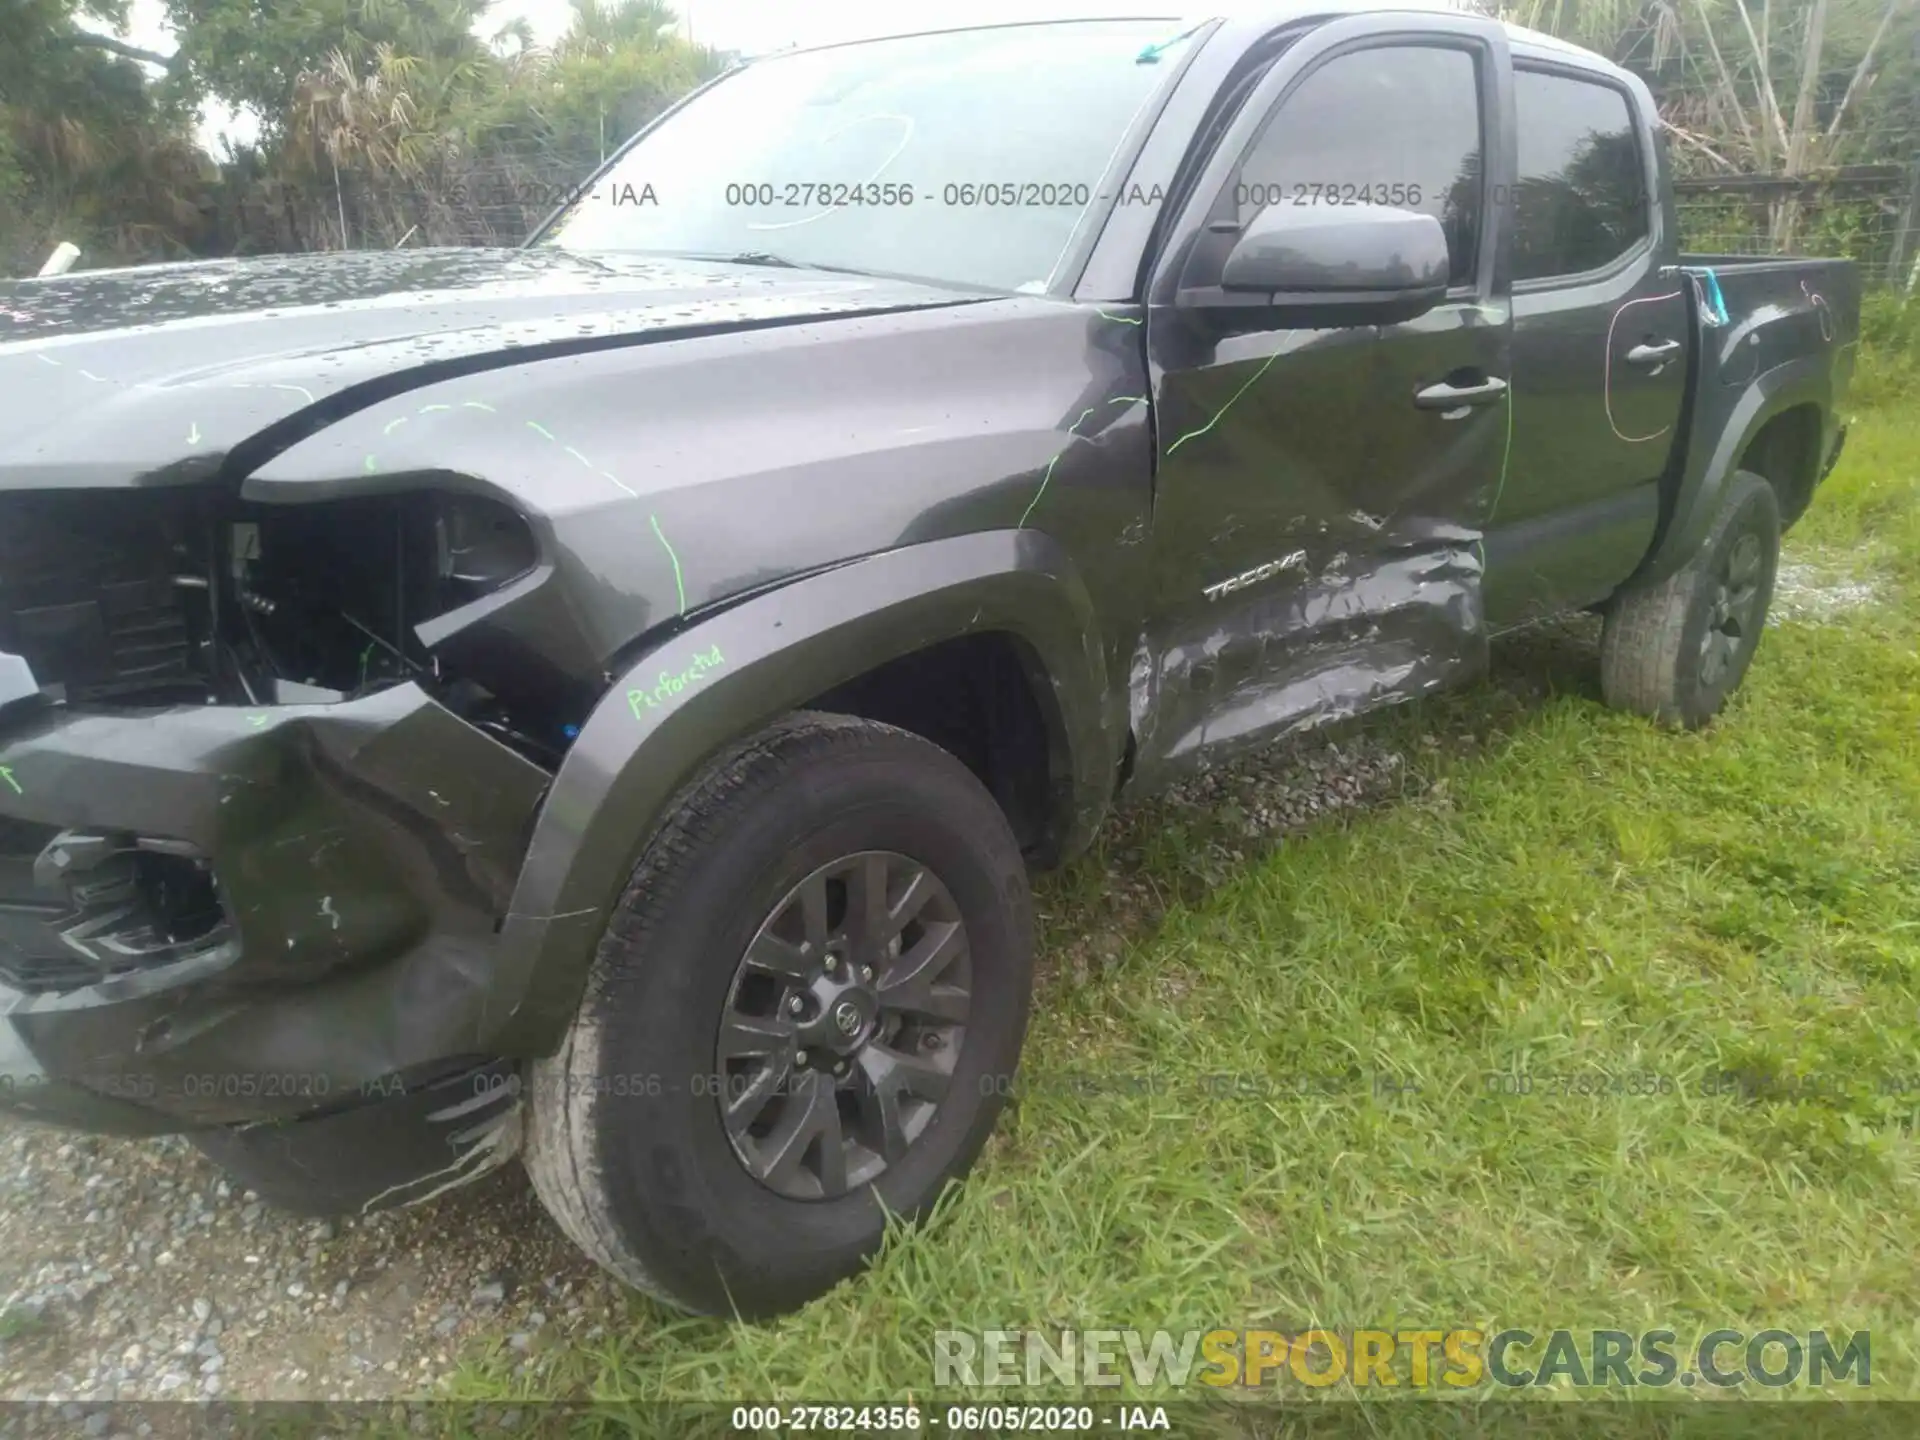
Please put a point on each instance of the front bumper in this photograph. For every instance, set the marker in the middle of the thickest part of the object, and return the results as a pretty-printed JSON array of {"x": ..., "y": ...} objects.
[{"x": 215, "y": 916}]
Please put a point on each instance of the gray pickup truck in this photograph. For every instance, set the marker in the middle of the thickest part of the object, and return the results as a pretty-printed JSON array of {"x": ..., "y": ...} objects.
[{"x": 600, "y": 702}]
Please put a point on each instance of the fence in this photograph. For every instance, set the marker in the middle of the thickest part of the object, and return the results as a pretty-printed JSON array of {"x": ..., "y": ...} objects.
[
  {"x": 1865, "y": 213},
  {"x": 494, "y": 198}
]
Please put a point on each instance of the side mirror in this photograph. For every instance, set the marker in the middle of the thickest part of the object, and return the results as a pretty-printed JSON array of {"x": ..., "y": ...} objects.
[{"x": 1340, "y": 264}]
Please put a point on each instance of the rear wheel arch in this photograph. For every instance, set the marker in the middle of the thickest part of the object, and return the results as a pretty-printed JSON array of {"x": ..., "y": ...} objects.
[
  {"x": 1785, "y": 452},
  {"x": 1676, "y": 650},
  {"x": 1792, "y": 389}
]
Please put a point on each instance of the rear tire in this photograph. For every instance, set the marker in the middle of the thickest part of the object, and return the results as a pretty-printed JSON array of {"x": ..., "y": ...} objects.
[
  {"x": 1676, "y": 650},
  {"x": 627, "y": 1144}
]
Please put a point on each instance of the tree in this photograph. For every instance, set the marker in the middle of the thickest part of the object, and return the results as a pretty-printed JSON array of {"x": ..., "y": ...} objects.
[
  {"x": 440, "y": 137},
  {"x": 616, "y": 67},
  {"x": 90, "y": 149},
  {"x": 253, "y": 53},
  {"x": 1751, "y": 86},
  {"x": 605, "y": 28},
  {"x": 382, "y": 122}
]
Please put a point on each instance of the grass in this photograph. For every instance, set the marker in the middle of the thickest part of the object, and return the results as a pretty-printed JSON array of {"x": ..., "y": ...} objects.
[{"x": 1555, "y": 890}]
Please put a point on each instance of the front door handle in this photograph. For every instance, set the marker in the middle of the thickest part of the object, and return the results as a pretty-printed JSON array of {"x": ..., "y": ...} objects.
[
  {"x": 1653, "y": 354},
  {"x": 1445, "y": 396}
]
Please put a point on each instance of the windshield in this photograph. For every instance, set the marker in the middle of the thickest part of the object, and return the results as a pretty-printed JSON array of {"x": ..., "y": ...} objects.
[{"x": 966, "y": 157}]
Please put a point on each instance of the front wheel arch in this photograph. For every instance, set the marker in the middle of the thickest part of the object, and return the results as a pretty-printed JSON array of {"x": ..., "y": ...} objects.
[
  {"x": 637, "y": 1160},
  {"x": 745, "y": 667}
]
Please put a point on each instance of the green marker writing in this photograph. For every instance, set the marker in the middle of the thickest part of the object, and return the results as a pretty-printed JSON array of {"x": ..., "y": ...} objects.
[{"x": 6, "y": 773}]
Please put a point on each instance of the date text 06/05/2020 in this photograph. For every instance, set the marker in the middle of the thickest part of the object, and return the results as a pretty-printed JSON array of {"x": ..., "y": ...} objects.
[{"x": 962, "y": 1419}]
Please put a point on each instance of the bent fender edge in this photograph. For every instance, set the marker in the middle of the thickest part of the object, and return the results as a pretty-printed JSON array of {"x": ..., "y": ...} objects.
[{"x": 723, "y": 678}]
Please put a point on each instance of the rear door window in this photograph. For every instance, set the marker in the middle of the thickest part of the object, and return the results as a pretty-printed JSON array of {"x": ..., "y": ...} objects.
[{"x": 1581, "y": 201}]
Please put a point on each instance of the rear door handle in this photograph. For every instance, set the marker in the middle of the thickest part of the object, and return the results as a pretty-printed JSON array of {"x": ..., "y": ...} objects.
[
  {"x": 1444, "y": 396},
  {"x": 1653, "y": 354}
]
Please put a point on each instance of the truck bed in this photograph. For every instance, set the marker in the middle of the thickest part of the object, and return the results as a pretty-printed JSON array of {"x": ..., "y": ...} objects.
[
  {"x": 1774, "y": 336},
  {"x": 1804, "y": 306}
]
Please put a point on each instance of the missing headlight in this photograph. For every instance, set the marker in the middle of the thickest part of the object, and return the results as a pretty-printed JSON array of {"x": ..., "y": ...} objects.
[{"x": 326, "y": 597}]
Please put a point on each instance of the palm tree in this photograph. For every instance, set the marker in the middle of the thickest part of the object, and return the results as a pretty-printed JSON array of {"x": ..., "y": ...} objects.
[{"x": 600, "y": 27}]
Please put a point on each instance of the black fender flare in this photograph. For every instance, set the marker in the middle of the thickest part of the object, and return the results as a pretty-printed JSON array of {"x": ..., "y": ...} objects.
[
  {"x": 727, "y": 675},
  {"x": 1702, "y": 488}
]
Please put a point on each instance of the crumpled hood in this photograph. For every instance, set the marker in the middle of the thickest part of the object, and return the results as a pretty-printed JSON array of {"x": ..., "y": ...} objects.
[{"x": 153, "y": 375}]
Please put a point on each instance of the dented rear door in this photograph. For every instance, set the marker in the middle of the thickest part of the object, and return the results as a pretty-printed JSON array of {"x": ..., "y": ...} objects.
[{"x": 1317, "y": 531}]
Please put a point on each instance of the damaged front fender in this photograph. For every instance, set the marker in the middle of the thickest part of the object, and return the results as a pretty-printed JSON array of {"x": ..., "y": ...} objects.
[{"x": 685, "y": 698}]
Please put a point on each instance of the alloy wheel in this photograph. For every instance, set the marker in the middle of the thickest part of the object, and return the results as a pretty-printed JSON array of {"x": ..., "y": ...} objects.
[
  {"x": 1734, "y": 620},
  {"x": 843, "y": 1025}
]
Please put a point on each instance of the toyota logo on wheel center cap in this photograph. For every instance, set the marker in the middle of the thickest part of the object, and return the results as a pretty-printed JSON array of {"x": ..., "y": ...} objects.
[{"x": 847, "y": 1018}]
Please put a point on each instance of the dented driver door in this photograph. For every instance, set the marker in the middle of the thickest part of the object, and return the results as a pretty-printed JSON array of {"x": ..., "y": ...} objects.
[{"x": 1320, "y": 490}]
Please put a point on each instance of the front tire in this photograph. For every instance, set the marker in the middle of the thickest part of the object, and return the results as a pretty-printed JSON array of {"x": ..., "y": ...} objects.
[
  {"x": 1675, "y": 651},
  {"x": 769, "y": 1059}
]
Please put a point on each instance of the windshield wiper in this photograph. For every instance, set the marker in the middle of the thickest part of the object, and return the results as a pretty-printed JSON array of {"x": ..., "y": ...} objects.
[
  {"x": 762, "y": 257},
  {"x": 765, "y": 258}
]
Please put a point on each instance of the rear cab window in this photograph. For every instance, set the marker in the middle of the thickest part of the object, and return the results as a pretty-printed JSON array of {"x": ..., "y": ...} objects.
[{"x": 1581, "y": 203}]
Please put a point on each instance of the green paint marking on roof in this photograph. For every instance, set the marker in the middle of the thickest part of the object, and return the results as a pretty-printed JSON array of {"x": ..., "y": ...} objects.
[
  {"x": 1151, "y": 55},
  {"x": 539, "y": 429},
  {"x": 6, "y": 773},
  {"x": 429, "y": 409},
  {"x": 478, "y": 405},
  {"x": 1120, "y": 319},
  {"x": 679, "y": 585},
  {"x": 1251, "y": 382},
  {"x": 193, "y": 433},
  {"x": 370, "y": 465},
  {"x": 581, "y": 458},
  {"x": 393, "y": 425}
]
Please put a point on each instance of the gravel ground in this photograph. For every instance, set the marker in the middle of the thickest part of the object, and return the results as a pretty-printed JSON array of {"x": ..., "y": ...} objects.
[
  {"x": 1803, "y": 591},
  {"x": 132, "y": 1271}
]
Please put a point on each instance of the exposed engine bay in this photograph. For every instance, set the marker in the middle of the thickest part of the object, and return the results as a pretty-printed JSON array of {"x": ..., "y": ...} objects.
[{"x": 192, "y": 596}]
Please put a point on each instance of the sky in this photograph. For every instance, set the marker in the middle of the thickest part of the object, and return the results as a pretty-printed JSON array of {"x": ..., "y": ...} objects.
[{"x": 749, "y": 26}]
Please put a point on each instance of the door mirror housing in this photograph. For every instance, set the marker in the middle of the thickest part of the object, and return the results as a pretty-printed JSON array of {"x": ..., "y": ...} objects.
[{"x": 1330, "y": 265}]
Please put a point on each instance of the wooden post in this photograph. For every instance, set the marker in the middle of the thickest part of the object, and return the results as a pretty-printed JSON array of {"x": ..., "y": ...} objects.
[{"x": 1906, "y": 237}]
